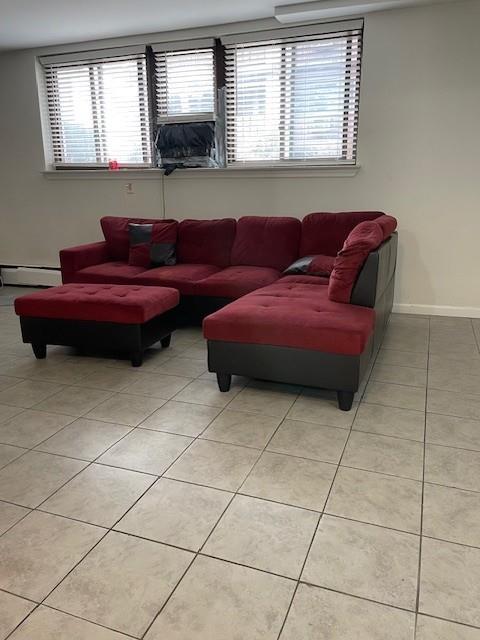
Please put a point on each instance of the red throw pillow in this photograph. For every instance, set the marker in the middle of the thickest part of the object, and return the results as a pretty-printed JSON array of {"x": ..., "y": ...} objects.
[
  {"x": 321, "y": 266},
  {"x": 152, "y": 244},
  {"x": 366, "y": 237},
  {"x": 311, "y": 266}
]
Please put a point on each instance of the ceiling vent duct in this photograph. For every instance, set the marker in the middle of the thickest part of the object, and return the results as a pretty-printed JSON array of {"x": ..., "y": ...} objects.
[{"x": 325, "y": 9}]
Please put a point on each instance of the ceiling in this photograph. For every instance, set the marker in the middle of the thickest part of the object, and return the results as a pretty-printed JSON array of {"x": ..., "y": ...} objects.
[{"x": 34, "y": 23}]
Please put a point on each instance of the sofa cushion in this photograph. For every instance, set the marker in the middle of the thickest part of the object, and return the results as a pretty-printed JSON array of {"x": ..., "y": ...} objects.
[
  {"x": 325, "y": 233},
  {"x": 180, "y": 276},
  {"x": 234, "y": 282},
  {"x": 365, "y": 237},
  {"x": 125, "y": 304},
  {"x": 115, "y": 231},
  {"x": 118, "y": 272},
  {"x": 206, "y": 241},
  {"x": 152, "y": 244},
  {"x": 266, "y": 241},
  {"x": 293, "y": 315}
]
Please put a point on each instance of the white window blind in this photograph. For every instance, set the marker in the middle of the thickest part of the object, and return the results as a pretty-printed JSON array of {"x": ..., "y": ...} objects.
[
  {"x": 98, "y": 110},
  {"x": 293, "y": 99},
  {"x": 185, "y": 83}
]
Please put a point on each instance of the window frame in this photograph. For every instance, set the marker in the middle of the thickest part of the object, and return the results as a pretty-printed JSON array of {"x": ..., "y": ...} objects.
[
  {"x": 159, "y": 77},
  {"x": 351, "y": 30},
  {"x": 92, "y": 61}
]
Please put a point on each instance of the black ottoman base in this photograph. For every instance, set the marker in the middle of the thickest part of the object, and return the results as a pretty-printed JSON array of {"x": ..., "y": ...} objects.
[{"x": 129, "y": 339}]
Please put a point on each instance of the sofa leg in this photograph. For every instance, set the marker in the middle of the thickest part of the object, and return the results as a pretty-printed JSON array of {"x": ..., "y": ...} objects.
[
  {"x": 224, "y": 381},
  {"x": 345, "y": 400},
  {"x": 165, "y": 342},
  {"x": 137, "y": 359},
  {"x": 40, "y": 350}
]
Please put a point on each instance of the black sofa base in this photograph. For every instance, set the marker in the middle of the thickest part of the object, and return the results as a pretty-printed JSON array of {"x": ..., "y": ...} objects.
[
  {"x": 130, "y": 339},
  {"x": 340, "y": 373},
  {"x": 192, "y": 310}
]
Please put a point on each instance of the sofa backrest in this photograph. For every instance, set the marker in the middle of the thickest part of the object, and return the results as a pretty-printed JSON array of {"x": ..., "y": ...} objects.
[
  {"x": 206, "y": 241},
  {"x": 365, "y": 238},
  {"x": 115, "y": 231},
  {"x": 325, "y": 233},
  {"x": 264, "y": 241},
  {"x": 376, "y": 274}
]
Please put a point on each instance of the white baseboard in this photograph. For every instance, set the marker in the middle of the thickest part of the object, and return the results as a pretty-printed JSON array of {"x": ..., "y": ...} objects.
[
  {"x": 31, "y": 276},
  {"x": 437, "y": 310}
]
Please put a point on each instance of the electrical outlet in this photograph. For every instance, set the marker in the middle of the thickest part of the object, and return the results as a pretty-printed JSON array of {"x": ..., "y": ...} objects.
[{"x": 129, "y": 190}]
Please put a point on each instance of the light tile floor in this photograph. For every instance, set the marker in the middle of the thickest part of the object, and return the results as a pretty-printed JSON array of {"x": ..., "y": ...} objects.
[{"x": 146, "y": 504}]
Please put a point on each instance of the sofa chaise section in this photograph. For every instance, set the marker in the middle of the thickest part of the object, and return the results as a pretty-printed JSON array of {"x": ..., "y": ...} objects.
[
  {"x": 312, "y": 331},
  {"x": 292, "y": 333}
]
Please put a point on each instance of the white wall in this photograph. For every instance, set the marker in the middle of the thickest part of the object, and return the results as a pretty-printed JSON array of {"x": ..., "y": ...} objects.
[{"x": 419, "y": 145}]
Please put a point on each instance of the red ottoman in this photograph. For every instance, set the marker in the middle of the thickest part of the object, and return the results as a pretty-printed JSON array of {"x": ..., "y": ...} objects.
[{"x": 112, "y": 317}]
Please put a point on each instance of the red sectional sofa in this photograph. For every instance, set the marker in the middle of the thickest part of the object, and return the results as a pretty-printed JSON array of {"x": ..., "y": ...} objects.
[{"x": 304, "y": 329}]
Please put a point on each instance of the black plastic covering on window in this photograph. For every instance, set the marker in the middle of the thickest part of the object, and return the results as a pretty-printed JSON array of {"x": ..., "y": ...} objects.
[{"x": 186, "y": 145}]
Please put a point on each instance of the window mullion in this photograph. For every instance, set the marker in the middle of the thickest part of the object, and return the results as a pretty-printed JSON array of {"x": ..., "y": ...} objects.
[{"x": 152, "y": 101}]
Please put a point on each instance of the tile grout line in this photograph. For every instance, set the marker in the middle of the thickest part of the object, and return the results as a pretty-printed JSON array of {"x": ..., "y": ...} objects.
[
  {"x": 287, "y": 613},
  {"x": 234, "y": 494},
  {"x": 37, "y": 508},
  {"x": 89, "y": 463},
  {"x": 241, "y": 493},
  {"x": 132, "y": 428},
  {"x": 107, "y": 531},
  {"x": 308, "y": 584},
  {"x": 419, "y": 570},
  {"x": 328, "y": 496}
]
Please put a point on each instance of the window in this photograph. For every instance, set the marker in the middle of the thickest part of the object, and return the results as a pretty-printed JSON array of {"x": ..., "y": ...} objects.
[
  {"x": 98, "y": 110},
  {"x": 291, "y": 96},
  {"x": 293, "y": 99},
  {"x": 184, "y": 82}
]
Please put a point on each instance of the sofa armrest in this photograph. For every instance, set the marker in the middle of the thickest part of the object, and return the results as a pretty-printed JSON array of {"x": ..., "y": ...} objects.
[
  {"x": 376, "y": 274},
  {"x": 86, "y": 255}
]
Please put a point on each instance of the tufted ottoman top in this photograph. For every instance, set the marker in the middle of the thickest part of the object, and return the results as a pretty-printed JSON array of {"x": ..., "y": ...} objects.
[{"x": 125, "y": 304}]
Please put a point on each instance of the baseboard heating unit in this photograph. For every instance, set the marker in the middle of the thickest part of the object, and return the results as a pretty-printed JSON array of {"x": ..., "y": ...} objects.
[{"x": 31, "y": 276}]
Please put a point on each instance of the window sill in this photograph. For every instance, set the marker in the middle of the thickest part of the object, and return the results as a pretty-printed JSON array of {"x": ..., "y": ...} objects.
[{"x": 308, "y": 171}]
